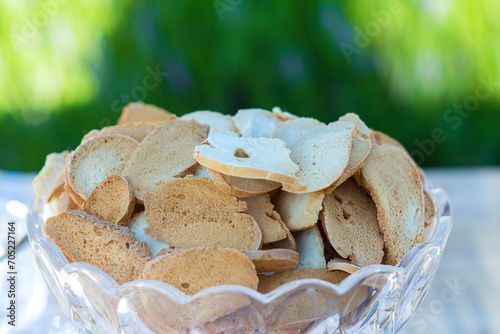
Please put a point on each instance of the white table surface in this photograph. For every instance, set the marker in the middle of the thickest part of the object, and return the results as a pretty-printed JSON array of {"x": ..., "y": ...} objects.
[{"x": 464, "y": 298}]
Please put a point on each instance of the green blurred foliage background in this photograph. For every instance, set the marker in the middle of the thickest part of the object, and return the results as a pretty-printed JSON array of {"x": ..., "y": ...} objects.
[{"x": 406, "y": 67}]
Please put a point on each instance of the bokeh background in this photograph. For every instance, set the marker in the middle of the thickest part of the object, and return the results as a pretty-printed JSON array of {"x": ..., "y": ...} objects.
[{"x": 425, "y": 72}]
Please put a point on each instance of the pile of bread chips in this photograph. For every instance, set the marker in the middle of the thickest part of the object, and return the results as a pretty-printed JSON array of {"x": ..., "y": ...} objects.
[{"x": 209, "y": 199}]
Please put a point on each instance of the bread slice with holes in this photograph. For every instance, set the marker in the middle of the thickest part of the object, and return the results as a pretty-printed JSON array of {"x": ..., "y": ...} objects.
[
  {"x": 189, "y": 213},
  {"x": 136, "y": 112},
  {"x": 311, "y": 249},
  {"x": 213, "y": 119},
  {"x": 96, "y": 159},
  {"x": 268, "y": 283},
  {"x": 112, "y": 200},
  {"x": 138, "y": 131},
  {"x": 393, "y": 181},
  {"x": 43, "y": 182},
  {"x": 349, "y": 219},
  {"x": 292, "y": 130},
  {"x": 110, "y": 247},
  {"x": 227, "y": 153},
  {"x": 166, "y": 153},
  {"x": 299, "y": 211},
  {"x": 255, "y": 123},
  {"x": 242, "y": 187},
  {"x": 261, "y": 209},
  {"x": 322, "y": 154},
  {"x": 193, "y": 270}
]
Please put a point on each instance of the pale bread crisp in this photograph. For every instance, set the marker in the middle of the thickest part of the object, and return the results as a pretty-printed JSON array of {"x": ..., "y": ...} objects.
[
  {"x": 189, "y": 213},
  {"x": 268, "y": 283},
  {"x": 322, "y": 154},
  {"x": 343, "y": 265},
  {"x": 110, "y": 247},
  {"x": 311, "y": 249},
  {"x": 213, "y": 119},
  {"x": 227, "y": 153},
  {"x": 256, "y": 123},
  {"x": 349, "y": 219},
  {"x": 51, "y": 170},
  {"x": 112, "y": 200},
  {"x": 283, "y": 115},
  {"x": 96, "y": 159},
  {"x": 430, "y": 209},
  {"x": 66, "y": 203},
  {"x": 292, "y": 130},
  {"x": 261, "y": 209},
  {"x": 57, "y": 187},
  {"x": 299, "y": 211},
  {"x": 193, "y": 270},
  {"x": 137, "y": 225},
  {"x": 241, "y": 187},
  {"x": 138, "y": 131},
  {"x": 166, "y": 153},
  {"x": 265, "y": 261},
  {"x": 393, "y": 181},
  {"x": 288, "y": 242},
  {"x": 364, "y": 131},
  {"x": 136, "y": 112}
]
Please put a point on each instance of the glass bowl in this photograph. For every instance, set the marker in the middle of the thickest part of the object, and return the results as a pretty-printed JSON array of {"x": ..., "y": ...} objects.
[{"x": 375, "y": 299}]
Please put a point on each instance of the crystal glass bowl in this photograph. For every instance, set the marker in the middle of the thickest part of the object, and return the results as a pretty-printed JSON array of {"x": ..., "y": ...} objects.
[{"x": 375, "y": 299}]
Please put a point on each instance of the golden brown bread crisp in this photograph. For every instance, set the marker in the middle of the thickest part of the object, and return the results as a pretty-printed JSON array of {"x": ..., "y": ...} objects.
[
  {"x": 268, "y": 283},
  {"x": 166, "y": 153},
  {"x": 393, "y": 181},
  {"x": 343, "y": 265},
  {"x": 261, "y": 209},
  {"x": 242, "y": 187},
  {"x": 349, "y": 219},
  {"x": 193, "y": 270},
  {"x": 111, "y": 200},
  {"x": 189, "y": 213},
  {"x": 110, "y": 247},
  {"x": 138, "y": 131},
  {"x": 288, "y": 242},
  {"x": 135, "y": 112}
]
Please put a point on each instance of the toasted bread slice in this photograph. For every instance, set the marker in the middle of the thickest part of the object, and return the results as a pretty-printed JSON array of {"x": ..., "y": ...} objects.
[
  {"x": 241, "y": 187},
  {"x": 343, "y": 265},
  {"x": 265, "y": 261},
  {"x": 137, "y": 225},
  {"x": 136, "y": 112},
  {"x": 112, "y": 200},
  {"x": 299, "y": 211},
  {"x": 66, "y": 203},
  {"x": 272, "y": 260},
  {"x": 268, "y": 283},
  {"x": 69, "y": 189},
  {"x": 189, "y": 213},
  {"x": 193, "y": 270},
  {"x": 322, "y": 154},
  {"x": 311, "y": 248},
  {"x": 350, "y": 223},
  {"x": 227, "y": 153},
  {"x": 166, "y": 153},
  {"x": 430, "y": 209},
  {"x": 213, "y": 119},
  {"x": 255, "y": 123},
  {"x": 138, "y": 131},
  {"x": 393, "y": 181},
  {"x": 292, "y": 130},
  {"x": 53, "y": 168},
  {"x": 96, "y": 159},
  {"x": 110, "y": 247},
  {"x": 261, "y": 209},
  {"x": 287, "y": 243}
]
